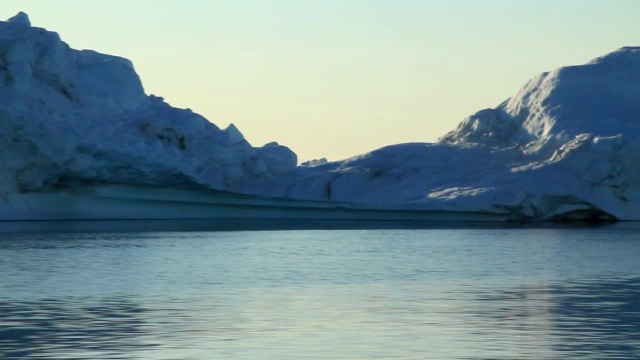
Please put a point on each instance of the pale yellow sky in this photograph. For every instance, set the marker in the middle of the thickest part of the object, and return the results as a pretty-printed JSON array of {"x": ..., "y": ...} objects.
[{"x": 336, "y": 78}]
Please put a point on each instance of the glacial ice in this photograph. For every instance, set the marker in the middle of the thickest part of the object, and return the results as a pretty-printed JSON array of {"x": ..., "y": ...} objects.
[
  {"x": 71, "y": 117},
  {"x": 566, "y": 146}
]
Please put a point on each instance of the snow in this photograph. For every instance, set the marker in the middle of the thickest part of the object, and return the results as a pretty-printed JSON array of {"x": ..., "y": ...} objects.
[
  {"x": 20, "y": 18},
  {"x": 566, "y": 146}
]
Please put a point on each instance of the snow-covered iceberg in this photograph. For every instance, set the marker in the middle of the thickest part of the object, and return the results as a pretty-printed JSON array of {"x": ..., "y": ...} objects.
[
  {"x": 70, "y": 117},
  {"x": 79, "y": 138},
  {"x": 566, "y": 146}
]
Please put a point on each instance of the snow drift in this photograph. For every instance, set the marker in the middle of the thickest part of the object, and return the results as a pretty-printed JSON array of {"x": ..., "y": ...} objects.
[{"x": 566, "y": 146}]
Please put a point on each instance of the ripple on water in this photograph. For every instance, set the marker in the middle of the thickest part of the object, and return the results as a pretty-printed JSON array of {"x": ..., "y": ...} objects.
[{"x": 402, "y": 294}]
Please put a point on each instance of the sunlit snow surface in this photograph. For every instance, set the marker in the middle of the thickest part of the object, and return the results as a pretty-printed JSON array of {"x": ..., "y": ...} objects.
[{"x": 565, "y": 146}]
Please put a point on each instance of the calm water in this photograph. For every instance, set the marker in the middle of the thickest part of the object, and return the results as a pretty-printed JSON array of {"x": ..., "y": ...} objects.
[{"x": 408, "y": 294}]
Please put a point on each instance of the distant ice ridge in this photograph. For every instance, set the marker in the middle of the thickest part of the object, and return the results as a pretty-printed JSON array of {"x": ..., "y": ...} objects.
[
  {"x": 565, "y": 147},
  {"x": 70, "y": 117}
]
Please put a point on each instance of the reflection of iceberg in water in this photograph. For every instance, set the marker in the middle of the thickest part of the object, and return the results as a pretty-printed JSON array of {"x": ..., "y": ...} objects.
[
  {"x": 50, "y": 328},
  {"x": 598, "y": 317},
  {"x": 603, "y": 317}
]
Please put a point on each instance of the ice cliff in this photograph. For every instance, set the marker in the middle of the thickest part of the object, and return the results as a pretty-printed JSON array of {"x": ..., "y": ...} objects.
[
  {"x": 70, "y": 117},
  {"x": 565, "y": 146}
]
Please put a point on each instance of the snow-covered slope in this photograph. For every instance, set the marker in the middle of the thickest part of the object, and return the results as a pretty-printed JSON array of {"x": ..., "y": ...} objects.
[
  {"x": 601, "y": 97},
  {"x": 567, "y": 145},
  {"x": 70, "y": 117}
]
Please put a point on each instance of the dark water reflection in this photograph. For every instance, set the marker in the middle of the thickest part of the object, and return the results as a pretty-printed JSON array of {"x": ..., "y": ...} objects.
[
  {"x": 598, "y": 318},
  {"x": 602, "y": 318},
  {"x": 414, "y": 294},
  {"x": 594, "y": 318},
  {"x": 62, "y": 328}
]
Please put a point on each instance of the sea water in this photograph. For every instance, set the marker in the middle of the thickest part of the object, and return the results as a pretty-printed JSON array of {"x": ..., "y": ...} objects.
[{"x": 474, "y": 293}]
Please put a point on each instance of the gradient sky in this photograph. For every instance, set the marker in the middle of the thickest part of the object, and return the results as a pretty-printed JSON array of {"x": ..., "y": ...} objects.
[{"x": 335, "y": 78}]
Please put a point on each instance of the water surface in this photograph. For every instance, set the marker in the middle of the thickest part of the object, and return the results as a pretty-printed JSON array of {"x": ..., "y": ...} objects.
[{"x": 496, "y": 293}]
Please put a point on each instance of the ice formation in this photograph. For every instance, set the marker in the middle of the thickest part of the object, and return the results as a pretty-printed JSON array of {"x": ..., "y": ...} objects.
[
  {"x": 566, "y": 146},
  {"x": 70, "y": 117}
]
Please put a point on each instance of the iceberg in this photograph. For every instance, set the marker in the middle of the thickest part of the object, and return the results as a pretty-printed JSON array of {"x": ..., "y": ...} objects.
[
  {"x": 565, "y": 147},
  {"x": 81, "y": 140}
]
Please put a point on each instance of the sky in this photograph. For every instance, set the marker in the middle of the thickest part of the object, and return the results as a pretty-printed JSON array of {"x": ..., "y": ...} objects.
[{"x": 337, "y": 78}]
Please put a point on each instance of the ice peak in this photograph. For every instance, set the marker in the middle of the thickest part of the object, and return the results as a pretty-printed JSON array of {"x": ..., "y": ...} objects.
[
  {"x": 625, "y": 56},
  {"x": 600, "y": 97},
  {"x": 20, "y": 18}
]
